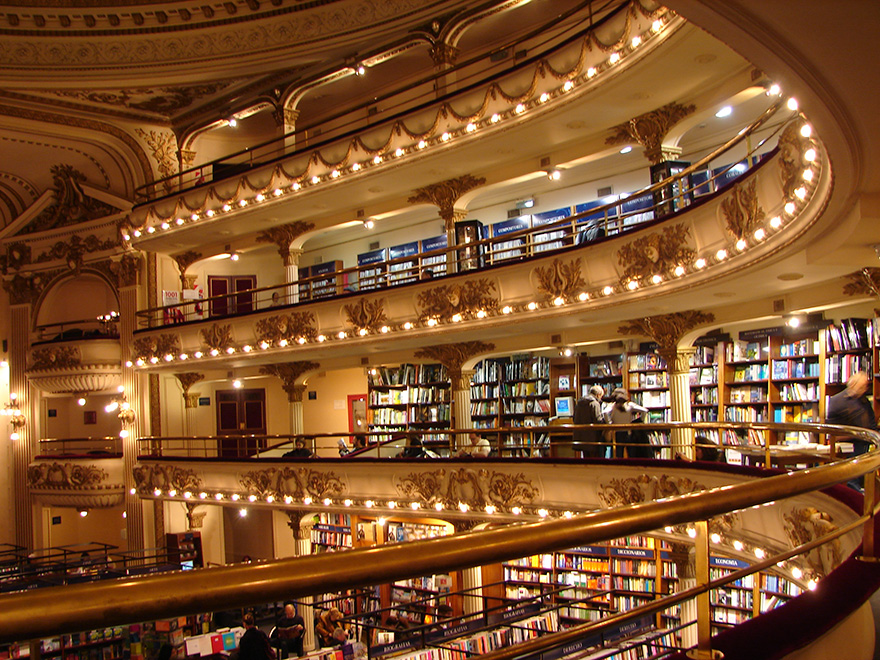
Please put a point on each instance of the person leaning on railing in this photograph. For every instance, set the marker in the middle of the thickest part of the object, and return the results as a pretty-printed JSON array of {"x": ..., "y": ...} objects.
[{"x": 851, "y": 408}]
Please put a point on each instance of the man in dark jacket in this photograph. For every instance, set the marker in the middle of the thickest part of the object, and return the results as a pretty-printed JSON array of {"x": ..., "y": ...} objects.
[
  {"x": 851, "y": 408},
  {"x": 588, "y": 410}
]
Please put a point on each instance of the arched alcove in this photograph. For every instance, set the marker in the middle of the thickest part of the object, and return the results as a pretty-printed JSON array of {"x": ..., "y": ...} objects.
[{"x": 82, "y": 298}]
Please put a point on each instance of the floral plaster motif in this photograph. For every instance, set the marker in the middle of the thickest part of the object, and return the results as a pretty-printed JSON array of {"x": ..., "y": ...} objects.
[
  {"x": 65, "y": 476},
  {"x": 475, "y": 488},
  {"x": 165, "y": 476},
  {"x": 293, "y": 482}
]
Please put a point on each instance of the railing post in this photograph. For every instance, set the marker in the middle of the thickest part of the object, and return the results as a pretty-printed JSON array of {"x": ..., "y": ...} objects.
[
  {"x": 869, "y": 552},
  {"x": 704, "y": 614}
]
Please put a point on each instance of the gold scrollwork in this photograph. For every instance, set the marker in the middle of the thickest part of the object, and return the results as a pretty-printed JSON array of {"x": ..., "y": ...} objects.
[
  {"x": 644, "y": 488},
  {"x": 475, "y": 488},
  {"x": 366, "y": 314},
  {"x": 791, "y": 146},
  {"x": 808, "y": 524},
  {"x": 650, "y": 128},
  {"x": 560, "y": 280},
  {"x": 64, "y": 476},
  {"x": 217, "y": 337},
  {"x": 741, "y": 210},
  {"x": 157, "y": 346},
  {"x": 864, "y": 281},
  {"x": 292, "y": 482},
  {"x": 655, "y": 253},
  {"x": 467, "y": 299},
  {"x": 666, "y": 329},
  {"x": 147, "y": 477},
  {"x": 287, "y": 326},
  {"x": 55, "y": 357},
  {"x": 283, "y": 236}
]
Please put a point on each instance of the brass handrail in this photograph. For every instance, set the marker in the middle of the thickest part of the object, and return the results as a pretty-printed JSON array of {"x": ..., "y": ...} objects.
[{"x": 115, "y": 602}]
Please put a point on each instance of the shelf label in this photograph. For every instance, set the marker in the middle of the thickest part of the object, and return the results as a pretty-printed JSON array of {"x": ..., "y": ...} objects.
[{"x": 644, "y": 553}]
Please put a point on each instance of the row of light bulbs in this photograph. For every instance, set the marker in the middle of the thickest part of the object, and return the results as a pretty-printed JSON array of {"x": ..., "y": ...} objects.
[
  {"x": 776, "y": 222},
  {"x": 305, "y": 181}
]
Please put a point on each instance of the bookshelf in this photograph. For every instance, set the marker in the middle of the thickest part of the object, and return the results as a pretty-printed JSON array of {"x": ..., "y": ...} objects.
[
  {"x": 794, "y": 386},
  {"x": 703, "y": 378},
  {"x": 563, "y": 384},
  {"x": 410, "y": 396},
  {"x": 746, "y": 370},
  {"x": 525, "y": 399},
  {"x": 603, "y": 370},
  {"x": 850, "y": 347},
  {"x": 185, "y": 548},
  {"x": 648, "y": 385}
]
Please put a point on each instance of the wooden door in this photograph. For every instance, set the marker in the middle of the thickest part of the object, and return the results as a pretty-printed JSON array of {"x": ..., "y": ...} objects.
[
  {"x": 241, "y": 298},
  {"x": 241, "y": 413}
]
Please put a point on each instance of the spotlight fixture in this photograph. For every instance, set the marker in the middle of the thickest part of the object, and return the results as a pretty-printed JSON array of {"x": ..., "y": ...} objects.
[
  {"x": 369, "y": 223},
  {"x": 554, "y": 174},
  {"x": 82, "y": 512}
]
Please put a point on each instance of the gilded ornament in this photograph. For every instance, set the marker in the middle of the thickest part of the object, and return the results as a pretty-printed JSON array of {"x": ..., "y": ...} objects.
[
  {"x": 560, "y": 280},
  {"x": 184, "y": 261},
  {"x": 157, "y": 346},
  {"x": 188, "y": 379},
  {"x": 293, "y": 482},
  {"x": 289, "y": 372},
  {"x": 863, "y": 282},
  {"x": 167, "y": 476},
  {"x": 666, "y": 329},
  {"x": 288, "y": 327},
  {"x": 71, "y": 204},
  {"x": 17, "y": 255},
  {"x": 366, "y": 314},
  {"x": 453, "y": 356},
  {"x": 791, "y": 146},
  {"x": 74, "y": 250},
  {"x": 476, "y": 488},
  {"x": 164, "y": 150},
  {"x": 644, "y": 488},
  {"x": 467, "y": 299},
  {"x": 655, "y": 253},
  {"x": 445, "y": 194},
  {"x": 650, "y": 128},
  {"x": 64, "y": 476},
  {"x": 741, "y": 210},
  {"x": 24, "y": 289},
  {"x": 127, "y": 269},
  {"x": 55, "y": 357},
  {"x": 807, "y": 525},
  {"x": 194, "y": 520},
  {"x": 217, "y": 337},
  {"x": 283, "y": 236}
]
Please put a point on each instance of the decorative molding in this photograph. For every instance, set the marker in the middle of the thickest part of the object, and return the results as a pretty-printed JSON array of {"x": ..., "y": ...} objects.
[
  {"x": 184, "y": 261},
  {"x": 55, "y": 357},
  {"x": 164, "y": 152},
  {"x": 644, "y": 488},
  {"x": 74, "y": 250},
  {"x": 289, "y": 372},
  {"x": 71, "y": 205},
  {"x": 300, "y": 523},
  {"x": 65, "y": 476},
  {"x": 741, "y": 211},
  {"x": 445, "y": 194},
  {"x": 453, "y": 356},
  {"x": 863, "y": 282},
  {"x": 83, "y": 378},
  {"x": 791, "y": 145},
  {"x": 444, "y": 54},
  {"x": 560, "y": 280},
  {"x": 18, "y": 254},
  {"x": 283, "y": 236},
  {"x": 666, "y": 329},
  {"x": 467, "y": 299},
  {"x": 366, "y": 315},
  {"x": 127, "y": 270},
  {"x": 217, "y": 337},
  {"x": 293, "y": 482},
  {"x": 194, "y": 520},
  {"x": 808, "y": 524},
  {"x": 476, "y": 488},
  {"x": 656, "y": 253},
  {"x": 188, "y": 379},
  {"x": 650, "y": 128},
  {"x": 287, "y": 327},
  {"x": 155, "y": 346},
  {"x": 165, "y": 476}
]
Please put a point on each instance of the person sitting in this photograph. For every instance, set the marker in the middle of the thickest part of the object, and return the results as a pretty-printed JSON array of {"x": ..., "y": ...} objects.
[
  {"x": 706, "y": 450},
  {"x": 299, "y": 449},
  {"x": 288, "y": 633},
  {"x": 330, "y": 629},
  {"x": 344, "y": 449},
  {"x": 477, "y": 447},
  {"x": 413, "y": 448}
]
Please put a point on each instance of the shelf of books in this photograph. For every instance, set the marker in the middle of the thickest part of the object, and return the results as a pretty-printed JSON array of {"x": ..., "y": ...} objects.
[
  {"x": 703, "y": 378},
  {"x": 794, "y": 387},
  {"x": 410, "y": 396},
  {"x": 849, "y": 348},
  {"x": 331, "y": 532},
  {"x": 746, "y": 371},
  {"x": 525, "y": 400},
  {"x": 485, "y": 395},
  {"x": 603, "y": 370},
  {"x": 648, "y": 383}
]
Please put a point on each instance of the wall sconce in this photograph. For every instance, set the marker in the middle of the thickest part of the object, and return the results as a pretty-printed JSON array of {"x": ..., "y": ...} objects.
[
  {"x": 126, "y": 414},
  {"x": 16, "y": 418},
  {"x": 82, "y": 512},
  {"x": 80, "y": 399}
]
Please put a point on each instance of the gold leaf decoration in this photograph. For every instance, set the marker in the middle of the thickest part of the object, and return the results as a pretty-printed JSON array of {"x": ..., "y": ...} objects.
[
  {"x": 808, "y": 524},
  {"x": 283, "y": 236},
  {"x": 288, "y": 327},
  {"x": 666, "y": 329},
  {"x": 71, "y": 205},
  {"x": 188, "y": 379},
  {"x": 650, "y": 128},
  {"x": 148, "y": 477},
  {"x": 293, "y": 482},
  {"x": 655, "y": 253},
  {"x": 366, "y": 314},
  {"x": 445, "y": 301},
  {"x": 445, "y": 194},
  {"x": 217, "y": 337},
  {"x": 289, "y": 372},
  {"x": 64, "y": 476},
  {"x": 55, "y": 357},
  {"x": 157, "y": 346},
  {"x": 864, "y": 281},
  {"x": 560, "y": 280},
  {"x": 644, "y": 488},
  {"x": 477, "y": 488},
  {"x": 791, "y": 146},
  {"x": 453, "y": 356},
  {"x": 741, "y": 210}
]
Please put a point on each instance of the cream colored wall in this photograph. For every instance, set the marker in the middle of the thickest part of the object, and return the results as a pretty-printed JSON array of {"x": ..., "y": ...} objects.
[
  {"x": 250, "y": 535},
  {"x": 328, "y": 411},
  {"x": 213, "y": 541},
  {"x": 81, "y": 299},
  {"x": 69, "y": 419},
  {"x": 100, "y": 526},
  {"x": 285, "y": 543}
]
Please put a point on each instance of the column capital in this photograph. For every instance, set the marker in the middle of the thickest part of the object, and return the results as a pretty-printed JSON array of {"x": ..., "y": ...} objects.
[
  {"x": 300, "y": 523},
  {"x": 452, "y": 356},
  {"x": 283, "y": 235},
  {"x": 649, "y": 130}
]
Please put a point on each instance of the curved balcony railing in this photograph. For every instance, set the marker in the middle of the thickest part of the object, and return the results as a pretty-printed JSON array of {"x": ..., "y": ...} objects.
[
  {"x": 660, "y": 201},
  {"x": 388, "y": 107},
  {"x": 43, "y": 612}
]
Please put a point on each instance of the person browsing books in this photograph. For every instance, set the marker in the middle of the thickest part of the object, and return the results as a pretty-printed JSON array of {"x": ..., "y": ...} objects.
[
  {"x": 330, "y": 629},
  {"x": 477, "y": 447},
  {"x": 288, "y": 633},
  {"x": 588, "y": 410},
  {"x": 851, "y": 408},
  {"x": 620, "y": 410}
]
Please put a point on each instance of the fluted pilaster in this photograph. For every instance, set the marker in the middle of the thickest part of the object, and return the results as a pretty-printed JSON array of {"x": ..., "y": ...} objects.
[{"x": 23, "y": 448}]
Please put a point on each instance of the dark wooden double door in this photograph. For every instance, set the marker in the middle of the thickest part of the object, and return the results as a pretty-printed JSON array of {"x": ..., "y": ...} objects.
[{"x": 241, "y": 415}]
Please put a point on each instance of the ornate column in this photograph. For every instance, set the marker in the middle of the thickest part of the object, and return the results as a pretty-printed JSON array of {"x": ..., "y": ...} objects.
[
  {"x": 184, "y": 261},
  {"x": 23, "y": 448},
  {"x": 683, "y": 556},
  {"x": 288, "y": 117},
  {"x": 667, "y": 330},
  {"x": 453, "y": 356},
  {"x": 649, "y": 130},
  {"x": 190, "y": 399},
  {"x": 289, "y": 372},
  {"x": 301, "y": 523},
  {"x": 283, "y": 237},
  {"x": 444, "y": 195},
  {"x": 471, "y": 578},
  {"x": 127, "y": 271},
  {"x": 444, "y": 56}
]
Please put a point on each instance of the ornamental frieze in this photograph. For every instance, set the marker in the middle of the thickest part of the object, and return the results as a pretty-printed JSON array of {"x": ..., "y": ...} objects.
[
  {"x": 217, "y": 337},
  {"x": 644, "y": 488},
  {"x": 293, "y": 482},
  {"x": 74, "y": 250},
  {"x": 71, "y": 205},
  {"x": 18, "y": 255},
  {"x": 650, "y": 128},
  {"x": 667, "y": 329},
  {"x": 791, "y": 146},
  {"x": 287, "y": 327},
  {"x": 55, "y": 357},
  {"x": 560, "y": 279},
  {"x": 466, "y": 299},
  {"x": 741, "y": 211},
  {"x": 157, "y": 346},
  {"x": 863, "y": 282},
  {"x": 368, "y": 315},
  {"x": 64, "y": 476},
  {"x": 148, "y": 477},
  {"x": 476, "y": 488},
  {"x": 808, "y": 524},
  {"x": 655, "y": 253},
  {"x": 453, "y": 356}
]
